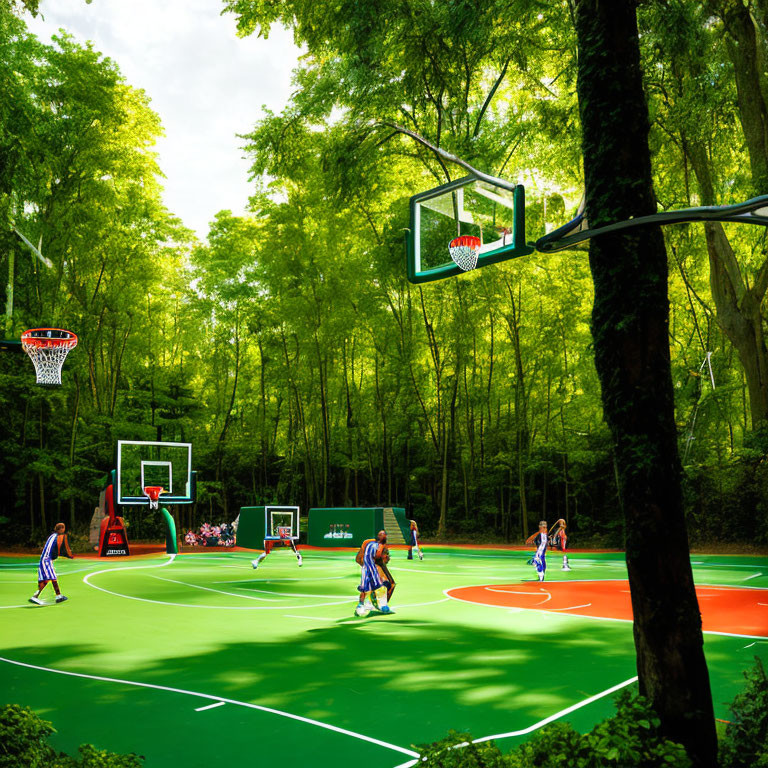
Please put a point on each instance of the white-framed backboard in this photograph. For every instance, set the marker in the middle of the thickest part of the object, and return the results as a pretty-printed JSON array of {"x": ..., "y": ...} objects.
[
  {"x": 276, "y": 518},
  {"x": 142, "y": 463}
]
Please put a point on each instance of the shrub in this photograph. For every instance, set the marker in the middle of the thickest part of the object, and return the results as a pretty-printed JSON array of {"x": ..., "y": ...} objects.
[
  {"x": 745, "y": 744},
  {"x": 24, "y": 738},
  {"x": 444, "y": 754},
  {"x": 24, "y": 742},
  {"x": 90, "y": 757},
  {"x": 630, "y": 738}
]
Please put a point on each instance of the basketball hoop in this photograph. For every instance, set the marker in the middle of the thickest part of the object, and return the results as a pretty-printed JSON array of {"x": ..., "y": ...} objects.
[
  {"x": 153, "y": 492},
  {"x": 48, "y": 348},
  {"x": 464, "y": 251}
]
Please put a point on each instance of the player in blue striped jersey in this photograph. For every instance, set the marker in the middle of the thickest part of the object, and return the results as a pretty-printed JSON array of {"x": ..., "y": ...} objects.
[
  {"x": 376, "y": 582},
  {"x": 541, "y": 540},
  {"x": 56, "y": 544}
]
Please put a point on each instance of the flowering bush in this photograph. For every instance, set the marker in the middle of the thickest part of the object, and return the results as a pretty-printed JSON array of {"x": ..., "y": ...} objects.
[{"x": 211, "y": 536}]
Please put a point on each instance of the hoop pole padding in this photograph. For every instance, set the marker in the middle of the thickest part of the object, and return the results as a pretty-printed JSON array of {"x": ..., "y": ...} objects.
[{"x": 171, "y": 543}]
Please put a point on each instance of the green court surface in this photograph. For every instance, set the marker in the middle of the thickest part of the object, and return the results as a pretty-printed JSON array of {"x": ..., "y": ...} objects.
[{"x": 203, "y": 660}]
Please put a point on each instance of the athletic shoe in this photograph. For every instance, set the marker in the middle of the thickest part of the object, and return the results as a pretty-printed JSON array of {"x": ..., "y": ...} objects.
[
  {"x": 421, "y": 557},
  {"x": 566, "y": 567},
  {"x": 299, "y": 558},
  {"x": 255, "y": 563},
  {"x": 386, "y": 609},
  {"x": 36, "y": 601},
  {"x": 61, "y": 598}
]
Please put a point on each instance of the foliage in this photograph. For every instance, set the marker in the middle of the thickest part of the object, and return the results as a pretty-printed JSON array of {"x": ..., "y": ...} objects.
[
  {"x": 290, "y": 349},
  {"x": 24, "y": 741},
  {"x": 24, "y": 738},
  {"x": 456, "y": 750},
  {"x": 745, "y": 744},
  {"x": 630, "y": 737},
  {"x": 91, "y": 757}
]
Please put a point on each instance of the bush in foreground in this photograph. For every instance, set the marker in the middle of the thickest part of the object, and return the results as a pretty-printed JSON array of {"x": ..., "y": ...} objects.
[
  {"x": 24, "y": 742},
  {"x": 630, "y": 738},
  {"x": 745, "y": 744}
]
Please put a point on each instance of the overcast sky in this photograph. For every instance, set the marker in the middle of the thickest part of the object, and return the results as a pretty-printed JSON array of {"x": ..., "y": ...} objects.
[{"x": 205, "y": 83}]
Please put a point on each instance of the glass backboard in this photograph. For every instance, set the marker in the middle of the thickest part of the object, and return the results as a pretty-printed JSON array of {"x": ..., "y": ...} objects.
[
  {"x": 278, "y": 519},
  {"x": 493, "y": 213},
  {"x": 141, "y": 464}
]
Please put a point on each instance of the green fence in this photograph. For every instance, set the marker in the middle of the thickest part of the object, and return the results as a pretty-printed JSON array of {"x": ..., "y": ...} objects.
[
  {"x": 350, "y": 526},
  {"x": 250, "y": 528}
]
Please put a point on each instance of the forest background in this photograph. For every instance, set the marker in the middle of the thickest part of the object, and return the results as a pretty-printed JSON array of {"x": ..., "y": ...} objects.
[{"x": 289, "y": 348}]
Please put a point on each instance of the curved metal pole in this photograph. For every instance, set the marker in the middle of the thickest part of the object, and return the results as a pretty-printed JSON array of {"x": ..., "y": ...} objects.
[
  {"x": 754, "y": 211},
  {"x": 448, "y": 157}
]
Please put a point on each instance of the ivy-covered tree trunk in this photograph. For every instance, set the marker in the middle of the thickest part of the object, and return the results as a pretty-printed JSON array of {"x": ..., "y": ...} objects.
[{"x": 630, "y": 331}]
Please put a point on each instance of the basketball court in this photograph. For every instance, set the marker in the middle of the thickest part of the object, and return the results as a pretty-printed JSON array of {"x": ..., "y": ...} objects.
[{"x": 201, "y": 660}]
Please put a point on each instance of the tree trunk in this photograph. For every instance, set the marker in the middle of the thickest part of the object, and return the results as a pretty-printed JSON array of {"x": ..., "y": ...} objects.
[
  {"x": 630, "y": 330},
  {"x": 739, "y": 305}
]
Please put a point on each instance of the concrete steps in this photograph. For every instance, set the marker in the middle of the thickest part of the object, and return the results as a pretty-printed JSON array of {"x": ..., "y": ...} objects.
[{"x": 391, "y": 526}]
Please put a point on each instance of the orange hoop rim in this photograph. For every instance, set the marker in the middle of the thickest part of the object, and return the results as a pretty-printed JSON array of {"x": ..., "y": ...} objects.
[
  {"x": 468, "y": 241},
  {"x": 153, "y": 491},
  {"x": 48, "y": 342}
]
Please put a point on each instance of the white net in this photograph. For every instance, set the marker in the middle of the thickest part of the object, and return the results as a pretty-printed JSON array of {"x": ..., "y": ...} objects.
[
  {"x": 48, "y": 359},
  {"x": 464, "y": 252}
]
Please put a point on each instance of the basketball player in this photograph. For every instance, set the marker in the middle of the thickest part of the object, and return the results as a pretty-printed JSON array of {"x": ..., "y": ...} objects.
[
  {"x": 56, "y": 544},
  {"x": 541, "y": 540},
  {"x": 414, "y": 541},
  {"x": 376, "y": 582},
  {"x": 559, "y": 541},
  {"x": 281, "y": 542}
]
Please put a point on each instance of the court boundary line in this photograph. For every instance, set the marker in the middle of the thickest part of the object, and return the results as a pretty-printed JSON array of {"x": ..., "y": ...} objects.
[{"x": 211, "y": 697}]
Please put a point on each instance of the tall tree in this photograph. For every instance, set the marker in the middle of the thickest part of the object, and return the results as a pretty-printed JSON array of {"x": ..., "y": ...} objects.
[{"x": 630, "y": 327}]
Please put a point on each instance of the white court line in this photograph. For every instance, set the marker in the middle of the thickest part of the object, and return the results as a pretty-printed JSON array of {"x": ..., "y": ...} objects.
[
  {"x": 533, "y": 594},
  {"x": 558, "y": 715},
  {"x": 293, "y": 594},
  {"x": 419, "y": 605},
  {"x": 753, "y": 576},
  {"x": 272, "y": 581},
  {"x": 221, "y": 699},
  {"x": 399, "y": 608},
  {"x": 571, "y": 608},
  {"x": 484, "y": 576},
  {"x": 86, "y": 580},
  {"x": 60, "y": 572},
  {"x": 540, "y": 724},
  {"x": 210, "y": 589},
  {"x": 210, "y": 706},
  {"x": 587, "y": 616},
  {"x": 23, "y": 605}
]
